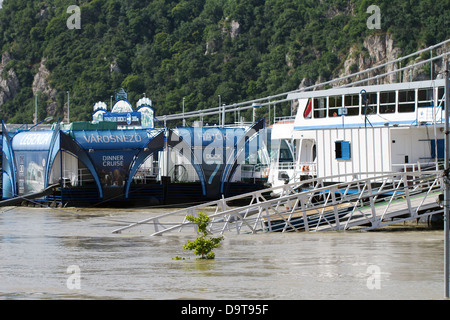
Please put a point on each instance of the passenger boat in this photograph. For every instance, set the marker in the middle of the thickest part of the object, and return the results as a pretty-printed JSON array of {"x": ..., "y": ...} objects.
[{"x": 366, "y": 129}]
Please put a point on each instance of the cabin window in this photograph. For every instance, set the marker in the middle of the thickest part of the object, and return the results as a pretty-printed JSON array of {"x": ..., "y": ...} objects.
[
  {"x": 351, "y": 102},
  {"x": 387, "y": 102},
  {"x": 285, "y": 152},
  {"x": 371, "y": 104},
  {"x": 342, "y": 149},
  {"x": 320, "y": 108},
  {"x": 334, "y": 104},
  {"x": 406, "y": 101},
  {"x": 425, "y": 98},
  {"x": 441, "y": 97}
]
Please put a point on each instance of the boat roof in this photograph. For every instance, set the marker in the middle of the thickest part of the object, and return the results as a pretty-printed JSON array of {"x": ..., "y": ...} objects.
[{"x": 368, "y": 88}]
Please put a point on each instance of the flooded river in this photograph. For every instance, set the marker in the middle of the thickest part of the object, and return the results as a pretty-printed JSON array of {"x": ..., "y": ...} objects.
[{"x": 72, "y": 254}]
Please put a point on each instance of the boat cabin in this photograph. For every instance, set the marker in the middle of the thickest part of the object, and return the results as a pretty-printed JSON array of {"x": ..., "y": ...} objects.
[{"x": 366, "y": 129}]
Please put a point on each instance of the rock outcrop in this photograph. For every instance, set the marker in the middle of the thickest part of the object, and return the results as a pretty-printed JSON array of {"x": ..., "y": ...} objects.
[
  {"x": 41, "y": 86},
  {"x": 379, "y": 49},
  {"x": 9, "y": 82},
  {"x": 376, "y": 50}
]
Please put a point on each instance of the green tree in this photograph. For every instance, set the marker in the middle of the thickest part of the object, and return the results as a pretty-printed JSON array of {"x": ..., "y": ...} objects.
[{"x": 203, "y": 245}]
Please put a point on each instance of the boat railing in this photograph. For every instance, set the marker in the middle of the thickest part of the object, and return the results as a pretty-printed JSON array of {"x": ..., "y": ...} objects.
[
  {"x": 287, "y": 119},
  {"x": 300, "y": 168},
  {"x": 145, "y": 175},
  {"x": 307, "y": 168},
  {"x": 417, "y": 166},
  {"x": 254, "y": 171},
  {"x": 75, "y": 178}
]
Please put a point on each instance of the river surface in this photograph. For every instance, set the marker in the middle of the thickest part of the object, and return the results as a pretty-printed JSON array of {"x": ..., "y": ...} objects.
[{"x": 73, "y": 254}]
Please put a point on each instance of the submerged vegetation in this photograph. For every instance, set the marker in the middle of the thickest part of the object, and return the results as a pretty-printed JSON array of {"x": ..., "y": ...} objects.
[
  {"x": 203, "y": 245},
  {"x": 195, "y": 50}
]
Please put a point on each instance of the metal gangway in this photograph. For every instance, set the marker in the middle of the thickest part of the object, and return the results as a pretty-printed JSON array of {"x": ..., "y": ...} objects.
[{"x": 369, "y": 201}]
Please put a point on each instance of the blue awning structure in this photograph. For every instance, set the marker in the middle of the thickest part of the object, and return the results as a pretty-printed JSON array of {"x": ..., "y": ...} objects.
[
  {"x": 216, "y": 152},
  {"x": 155, "y": 144},
  {"x": 106, "y": 164},
  {"x": 249, "y": 141},
  {"x": 121, "y": 156},
  {"x": 29, "y": 156}
]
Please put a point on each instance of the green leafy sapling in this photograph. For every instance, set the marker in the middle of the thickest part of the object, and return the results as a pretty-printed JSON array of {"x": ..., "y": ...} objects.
[{"x": 203, "y": 245}]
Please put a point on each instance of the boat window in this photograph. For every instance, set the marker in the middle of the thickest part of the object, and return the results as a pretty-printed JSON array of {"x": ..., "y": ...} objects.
[
  {"x": 425, "y": 97},
  {"x": 406, "y": 101},
  {"x": 320, "y": 108},
  {"x": 351, "y": 102},
  {"x": 335, "y": 102},
  {"x": 441, "y": 97},
  {"x": 387, "y": 102},
  {"x": 281, "y": 151},
  {"x": 285, "y": 152},
  {"x": 371, "y": 107},
  {"x": 342, "y": 150}
]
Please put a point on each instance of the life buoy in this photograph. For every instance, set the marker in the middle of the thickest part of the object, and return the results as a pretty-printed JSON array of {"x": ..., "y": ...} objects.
[
  {"x": 305, "y": 168},
  {"x": 266, "y": 173}
]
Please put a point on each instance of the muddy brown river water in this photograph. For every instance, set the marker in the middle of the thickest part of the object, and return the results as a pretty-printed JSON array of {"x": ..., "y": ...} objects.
[{"x": 72, "y": 254}]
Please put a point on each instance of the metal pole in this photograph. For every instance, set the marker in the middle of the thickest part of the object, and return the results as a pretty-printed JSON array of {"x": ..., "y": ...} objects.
[
  {"x": 220, "y": 103},
  {"x": 274, "y": 111},
  {"x": 166, "y": 145},
  {"x": 446, "y": 185},
  {"x": 68, "y": 107},
  {"x": 184, "y": 120},
  {"x": 35, "y": 109},
  {"x": 431, "y": 65},
  {"x": 223, "y": 115}
]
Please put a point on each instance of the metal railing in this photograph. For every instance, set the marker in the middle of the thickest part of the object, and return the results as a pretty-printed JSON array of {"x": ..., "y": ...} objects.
[{"x": 368, "y": 203}]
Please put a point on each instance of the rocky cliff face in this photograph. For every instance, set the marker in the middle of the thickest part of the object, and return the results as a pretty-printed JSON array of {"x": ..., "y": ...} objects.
[
  {"x": 376, "y": 50},
  {"x": 42, "y": 87},
  {"x": 380, "y": 49},
  {"x": 9, "y": 83}
]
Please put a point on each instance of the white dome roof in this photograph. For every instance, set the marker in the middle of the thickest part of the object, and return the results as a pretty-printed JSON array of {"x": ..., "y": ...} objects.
[
  {"x": 144, "y": 102},
  {"x": 122, "y": 106},
  {"x": 100, "y": 106}
]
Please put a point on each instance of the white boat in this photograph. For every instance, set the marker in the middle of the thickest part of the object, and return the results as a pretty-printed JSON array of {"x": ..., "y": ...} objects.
[{"x": 365, "y": 129}]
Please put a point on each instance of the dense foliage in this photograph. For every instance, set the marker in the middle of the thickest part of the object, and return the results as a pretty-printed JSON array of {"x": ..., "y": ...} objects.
[
  {"x": 204, "y": 244},
  {"x": 194, "y": 49}
]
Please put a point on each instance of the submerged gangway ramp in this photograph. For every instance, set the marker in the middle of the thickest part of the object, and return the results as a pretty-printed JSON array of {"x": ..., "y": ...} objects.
[{"x": 368, "y": 201}]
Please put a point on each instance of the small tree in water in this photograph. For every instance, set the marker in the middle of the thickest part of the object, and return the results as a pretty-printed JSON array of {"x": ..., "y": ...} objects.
[{"x": 202, "y": 246}]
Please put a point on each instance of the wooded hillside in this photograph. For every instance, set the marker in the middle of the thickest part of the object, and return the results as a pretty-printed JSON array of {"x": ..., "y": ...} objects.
[{"x": 192, "y": 49}]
